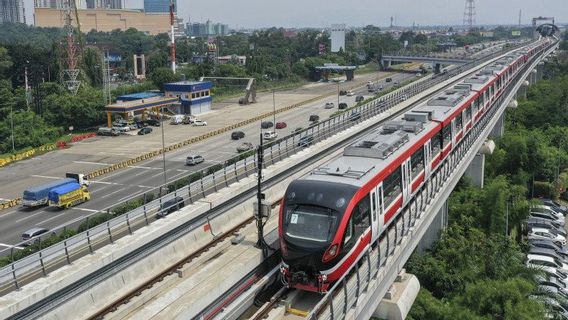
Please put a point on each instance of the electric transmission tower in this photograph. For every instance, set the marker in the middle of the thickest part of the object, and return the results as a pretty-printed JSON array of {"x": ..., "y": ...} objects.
[
  {"x": 469, "y": 14},
  {"x": 71, "y": 73}
]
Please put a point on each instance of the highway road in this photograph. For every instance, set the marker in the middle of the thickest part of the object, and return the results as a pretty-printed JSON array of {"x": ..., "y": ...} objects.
[{"x": 123, "y": 184}]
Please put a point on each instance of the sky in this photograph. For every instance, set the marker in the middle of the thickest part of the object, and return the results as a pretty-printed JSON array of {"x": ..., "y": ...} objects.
[{"x": 323, "y": 13}]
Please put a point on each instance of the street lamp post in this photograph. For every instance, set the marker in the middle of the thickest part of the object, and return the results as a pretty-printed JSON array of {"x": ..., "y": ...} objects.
[
  {"x": 338, "y": 94},
  {"x": 274, "y": 108},
  {"x": 12, "y": 128},
  {"x": 163, "y": 145}
]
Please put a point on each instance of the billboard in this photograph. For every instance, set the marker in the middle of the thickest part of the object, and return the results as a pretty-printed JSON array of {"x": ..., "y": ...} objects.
[
  {"x": 516, "y": 33},
  {"x": 337, "y": 37}
]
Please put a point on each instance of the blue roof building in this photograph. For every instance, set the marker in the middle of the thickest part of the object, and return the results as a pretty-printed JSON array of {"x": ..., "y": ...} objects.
[
  {"x": 195, "y": 96},
  {"x": 158, "y": 6}
]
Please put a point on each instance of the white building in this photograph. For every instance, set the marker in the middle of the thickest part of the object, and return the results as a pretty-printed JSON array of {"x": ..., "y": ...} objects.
[{"x": 337, "y": 37}]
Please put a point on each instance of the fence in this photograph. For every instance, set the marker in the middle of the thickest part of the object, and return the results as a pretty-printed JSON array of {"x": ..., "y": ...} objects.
[{"x": 42, "y": 262}]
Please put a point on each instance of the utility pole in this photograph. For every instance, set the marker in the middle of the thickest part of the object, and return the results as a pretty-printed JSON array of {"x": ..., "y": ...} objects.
[
  {"x": 262, "y": 209},
  {"x": 273, "y": 108},
  {"x": 173, "y": 38},
  {"x": 12, "y": 127},
  {"x": 163, "y": 147}
]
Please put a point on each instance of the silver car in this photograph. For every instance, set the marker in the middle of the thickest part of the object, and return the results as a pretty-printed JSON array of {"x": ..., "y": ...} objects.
[{"x": 193, "y": 159}]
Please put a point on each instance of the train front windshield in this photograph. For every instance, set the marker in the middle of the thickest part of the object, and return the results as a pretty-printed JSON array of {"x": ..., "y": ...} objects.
[{"x": 311, "y": 223}]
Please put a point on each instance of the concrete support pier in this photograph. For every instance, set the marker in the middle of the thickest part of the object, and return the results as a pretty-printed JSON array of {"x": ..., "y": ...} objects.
[
  {"x": 439, "y": 223},
  {"x": 399, "y": 299},
  {"x": 499, "y": 128},
  {"x": 476, "y": 168}
]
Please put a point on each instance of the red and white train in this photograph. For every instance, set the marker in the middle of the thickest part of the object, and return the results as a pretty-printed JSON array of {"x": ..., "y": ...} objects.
[{"x": 329, "y": 218}]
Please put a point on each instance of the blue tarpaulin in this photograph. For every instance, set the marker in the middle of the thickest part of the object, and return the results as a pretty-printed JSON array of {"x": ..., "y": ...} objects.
[{"x": 56, "y": 192}]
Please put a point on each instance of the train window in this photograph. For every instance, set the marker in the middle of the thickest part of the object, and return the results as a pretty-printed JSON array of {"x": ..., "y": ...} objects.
[
  {"x": 491, "y": 91},
  {"x": 362, "y": 214},
  {"x": 459, "y": 122},
  {"x": 447, "y": 135},
  {"x": 348, "y": 235},
  {"x": 436, "y": 144},
  {"x": 417, "y": 162},
  {"x": 468, "y": 113},
  {"x": 392, "y": 187},
  {"x": 374, "y": 201},
  {"x": 475, "y": 104}
]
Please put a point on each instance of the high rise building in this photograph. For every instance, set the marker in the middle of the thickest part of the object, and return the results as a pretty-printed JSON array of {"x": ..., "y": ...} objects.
[
  {"x": 158, "y": 6},
  {"x": 12, "y": 11},
  {"x": 208, "y": 28}
]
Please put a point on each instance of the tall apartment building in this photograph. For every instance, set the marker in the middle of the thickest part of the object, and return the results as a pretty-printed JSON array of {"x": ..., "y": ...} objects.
[
  {"x": 208, "y": 28},
  {"x": 158, "y": 6},
  {"x": 12, "y": 11},
  {"x": 104, "y": 4}
]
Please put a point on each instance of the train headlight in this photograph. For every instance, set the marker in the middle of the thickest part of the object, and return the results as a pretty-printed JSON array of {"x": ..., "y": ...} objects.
[{"x": 330, "y": 253}]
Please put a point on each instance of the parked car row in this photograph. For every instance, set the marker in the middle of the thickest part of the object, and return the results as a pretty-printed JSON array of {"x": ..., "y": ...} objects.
[{"x": 548, "y": 252}]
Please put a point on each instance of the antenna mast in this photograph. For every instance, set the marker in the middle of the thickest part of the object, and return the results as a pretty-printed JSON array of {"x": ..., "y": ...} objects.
[
  {"x": 70, "y": 74},
  {"x": 173, "y": 44}
]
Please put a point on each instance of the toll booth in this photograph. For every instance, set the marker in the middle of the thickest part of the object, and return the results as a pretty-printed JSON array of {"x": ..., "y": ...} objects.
[
  {"x": 132, "y": 105},
  {"x": 329, "y": 68}
]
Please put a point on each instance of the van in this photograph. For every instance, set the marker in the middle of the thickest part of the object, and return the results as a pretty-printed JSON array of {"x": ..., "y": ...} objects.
[
  {"x": 177, "y": 119},
  {"x": 104, "y": 131},
  {"x": 194, "y": 159},
  {"x": 34, "y": 232}
]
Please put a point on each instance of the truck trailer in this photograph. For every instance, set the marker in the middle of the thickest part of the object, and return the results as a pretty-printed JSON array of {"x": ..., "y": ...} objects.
[
  {"x": 37, "y": 196},
  {"x": 68, "y": 195}
]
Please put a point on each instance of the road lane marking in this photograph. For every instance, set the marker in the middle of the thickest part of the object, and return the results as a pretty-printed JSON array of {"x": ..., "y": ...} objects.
[
  {"x": 84, "y": 209},
  {"x": 95, "y": 163},
  {"x": 10, "y": 246},
  {"x": 42, "y": 211},
  {"x": 110, "y": 194},
  {"x": 147, "y": 168},
  {"x": 45, "y": 177}
]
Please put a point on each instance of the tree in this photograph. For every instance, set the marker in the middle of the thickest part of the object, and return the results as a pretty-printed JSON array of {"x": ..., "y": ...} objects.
[
  {"x": 5, "y": 62},
  {"x": 162, "y": 76}
]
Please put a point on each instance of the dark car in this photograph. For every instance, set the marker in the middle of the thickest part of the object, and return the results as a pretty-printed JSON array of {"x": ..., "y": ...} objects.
[
  {"x": 153, "y": 122},
  {"x": 170, "y": 206},
  {"x": 342, "y": 92},
  {"x": 549, "y": 244},
  {"x": 141, "y": 124},
  {"x": 144, "y": 131},
  {"x": 281, "y": 125},
  {"x": 266, "y": 124},
  {"x": 355, "y": 115},
  {"x": 314, "y": 118},
  {"x": 236, "y": 135},
  {"x": 359, "y": 98},
  {"x": 541, "y": 223},
  {"x": 388, "y": 79},
  {"x": 306, "y": 141},
  {"x": 342, "y": 105}
]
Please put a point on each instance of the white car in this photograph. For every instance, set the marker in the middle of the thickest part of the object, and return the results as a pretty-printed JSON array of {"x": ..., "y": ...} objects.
[
  {"x": 545, "y": 208},
  {"x": 538, "y": 261},
  {"x": 269, "y": 135},
  {"x": 545, "y": 234},
  {"x": 199, "y": 123},
  {"x": 350, "y": 93}
]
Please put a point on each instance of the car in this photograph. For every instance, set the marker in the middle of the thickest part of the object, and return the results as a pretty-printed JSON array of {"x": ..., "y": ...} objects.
[
  {"x": 553, "y": 290},
  {"x": 371, "y": 89},
  {"x": 153, "y": 122},
  {"x": 545, "y": 208},
  {"x": 546, "y": 252},
  {"x": 396, "y": 83},
  {"x": 342, "y": 92},
  {"x": 236, "y": 135},
  {"x": 555, "y": 205},
  {"x": 306, "y": 141},
  {"x": 545, "y": 234},
  {"x": 266, "y": 124},
  {"x": 193, "y": 159},
  {"x": 359, "y": 98},
  {"x": 350, "y": 93},
  {"x": 141, "y": 124},
  {"x": 199, "y": 123},
  {"x": 547, "y": 216},
  {"x": 388, "y": 80},
  {"x": 355, "y": 115},
  {"x": 144, "y": 131},
  {"x": 329, "y": 105},
  {"x": 342, "y": 105},
  {"x": 121, "y": 127},
  {"x": 545, "y": 224},
  {"x": 170, "y": 206},
  {"x": 314, "y": 118},
  {"x": 104, "y": 131},
  {"x": 403, "y": 97},
  {"x": 281, "y": 125},
  {"x": 537, "y": 261},
  {"x": 269, "y": 135},
  {"x": 31, "y": 233},
  {"x": 245, "y": 146},
  {"x": 553, "y": 282},
  {"x": 188, "y": 119},
  {"x": 549, "y": 244},
  {"x": 553, "y": 223},
  {"x": 381, "y": 88},
  {"x": 418, "y": 75}
]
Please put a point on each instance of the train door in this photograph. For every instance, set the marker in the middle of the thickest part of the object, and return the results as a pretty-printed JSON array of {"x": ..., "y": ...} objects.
[
  {"x": 375, "y": 213},
  {"x": 427, "y": 159},
  {"x": 405, "y": 181}
]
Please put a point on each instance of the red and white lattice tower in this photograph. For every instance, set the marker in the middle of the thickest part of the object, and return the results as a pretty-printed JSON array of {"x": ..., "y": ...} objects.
[
  {"x": 469, "y": 14},
  {"x": 70, "y": 73}
]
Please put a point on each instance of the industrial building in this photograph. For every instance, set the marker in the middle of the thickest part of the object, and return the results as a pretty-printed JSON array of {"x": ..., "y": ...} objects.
[
  {"x": 105, "y": 4},
  {"x": 194, "y": 96},
  {"x": 106, "y": 20},
  {"x": 158, "y": 6},
  {"x": 12, "y": 11}
]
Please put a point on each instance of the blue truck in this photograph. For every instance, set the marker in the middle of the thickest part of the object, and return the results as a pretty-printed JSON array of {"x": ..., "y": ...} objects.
[{"x": 37, "y": 196}]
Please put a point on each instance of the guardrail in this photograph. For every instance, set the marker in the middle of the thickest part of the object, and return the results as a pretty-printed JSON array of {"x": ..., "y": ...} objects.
[
  {"x": 372, "y": 264},
  {"x": 36, "y": 264}
]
